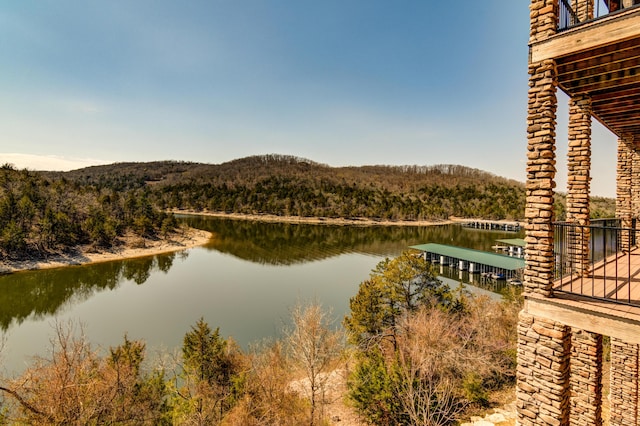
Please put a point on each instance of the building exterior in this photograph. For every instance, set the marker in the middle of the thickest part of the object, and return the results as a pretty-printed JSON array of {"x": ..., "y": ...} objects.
[{"x": 582, "y": 278}]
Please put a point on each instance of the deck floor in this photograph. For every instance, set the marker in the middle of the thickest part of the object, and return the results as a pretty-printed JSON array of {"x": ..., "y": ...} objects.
[{"x": 617, "y": 280}]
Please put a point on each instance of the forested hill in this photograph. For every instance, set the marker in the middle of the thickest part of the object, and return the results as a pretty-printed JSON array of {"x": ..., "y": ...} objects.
[{"x": 286, "y": 185}]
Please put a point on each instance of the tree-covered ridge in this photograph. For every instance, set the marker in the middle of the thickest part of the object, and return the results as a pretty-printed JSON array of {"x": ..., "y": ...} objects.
[
  {"x": 285, "y": 185},
  {"x": 292, "y": 186},
  {"x": 40, "y": 215}
]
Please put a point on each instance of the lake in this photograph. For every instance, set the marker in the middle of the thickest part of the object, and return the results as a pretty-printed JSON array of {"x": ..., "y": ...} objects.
[{"x": 245, "y": 281}]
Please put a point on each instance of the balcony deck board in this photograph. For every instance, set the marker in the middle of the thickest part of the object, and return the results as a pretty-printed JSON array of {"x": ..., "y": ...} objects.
[{"x": 614, "y": 281}]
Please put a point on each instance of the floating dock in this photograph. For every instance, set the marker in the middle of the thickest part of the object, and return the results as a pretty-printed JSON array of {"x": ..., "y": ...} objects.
[
  {"x": 512, "y": 246},
  {"x": 493, "y": 225},
  {"x": 497, "y": 266}
]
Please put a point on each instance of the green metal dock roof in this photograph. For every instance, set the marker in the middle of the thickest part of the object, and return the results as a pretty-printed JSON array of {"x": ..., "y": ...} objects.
[
  {"x": 476, "y": 256},
  {"x": 519, "y": 242}
]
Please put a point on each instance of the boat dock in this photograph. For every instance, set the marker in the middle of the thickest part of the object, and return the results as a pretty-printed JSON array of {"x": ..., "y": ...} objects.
[
  {"x": 493, "y": 225},
  {"x": 497, "y": 266},
  {"x": 512, "y": 246}
]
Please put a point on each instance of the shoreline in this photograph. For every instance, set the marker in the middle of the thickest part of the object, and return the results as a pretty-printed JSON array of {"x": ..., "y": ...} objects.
[
  {"x": 359, "y": 221},
  {"x": 190, "y": 238}
]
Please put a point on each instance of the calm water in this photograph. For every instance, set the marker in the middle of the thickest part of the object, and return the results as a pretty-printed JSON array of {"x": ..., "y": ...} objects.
[{"x": 244, "y": 281}]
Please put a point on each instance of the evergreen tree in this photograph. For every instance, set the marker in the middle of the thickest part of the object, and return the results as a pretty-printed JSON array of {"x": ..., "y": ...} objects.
[
  {"x": 395, "y": 287},
  {"x": 212, "y": 377},
  {"x": 204, "y": 353}
]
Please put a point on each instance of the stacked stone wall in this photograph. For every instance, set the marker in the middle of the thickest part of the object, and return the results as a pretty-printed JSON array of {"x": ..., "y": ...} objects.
[
  {"x": 583, "y": 9},
  {"x": 578, "y": 182},
  {"x": 541, "y": 170},
  {"x": 543, "y": 395},
  {"x": 624, "y": 189},
  {"x": 623, "y": 395},
  {"x": 635, "y": 182},
  {"x": 579, "y": 160},
  {"x": 586, "y": 378},
  {"x": 544, "y": 19}
]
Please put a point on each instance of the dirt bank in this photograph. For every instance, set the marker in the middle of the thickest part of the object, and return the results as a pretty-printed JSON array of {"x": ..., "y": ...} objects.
[{"x": 132, "y": 247}]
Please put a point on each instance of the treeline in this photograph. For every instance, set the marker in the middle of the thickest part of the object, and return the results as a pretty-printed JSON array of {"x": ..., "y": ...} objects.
[
  {"x": 294, "y": 196},
  {"x": 39, "y": 215},
  {"x": 44, "y": 211},
  {"x": 285, "y": 185},
  {"x": 414, "y": 352}
]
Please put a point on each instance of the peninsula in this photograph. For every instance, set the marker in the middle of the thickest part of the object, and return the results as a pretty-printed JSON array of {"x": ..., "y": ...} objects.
[{"x": 130, "y": 248}]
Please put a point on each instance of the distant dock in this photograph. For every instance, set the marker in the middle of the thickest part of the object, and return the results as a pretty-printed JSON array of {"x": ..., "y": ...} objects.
[
  {"x": 492, "y": 225},
  {"x": 511, "y": 246}
]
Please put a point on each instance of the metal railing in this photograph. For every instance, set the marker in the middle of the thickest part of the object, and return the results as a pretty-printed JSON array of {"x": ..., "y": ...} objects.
[
  {"x": 596, "y": 260},
  {"x": 568, "y": 15}
]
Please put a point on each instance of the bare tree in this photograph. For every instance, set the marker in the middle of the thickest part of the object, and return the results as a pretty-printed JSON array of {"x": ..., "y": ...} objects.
[
  {"x": 426, "y": 390},
  {"x": 314, "y": 347},
  {"x": 269, "y": 398},
  {"x": 76, "y": 386}
]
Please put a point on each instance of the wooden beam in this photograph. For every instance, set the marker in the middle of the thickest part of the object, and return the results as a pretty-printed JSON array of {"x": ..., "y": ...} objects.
[
  {"x": 603, "y": 82},
  {"x": 581, "y": 317},
  {"x": 598, "y": 33},
  {"x": 601, "y": 68},
  {"x": 610, "y": 53},
  {"x": 622, "y": 103},
  {"x": 621, "y": 93}
]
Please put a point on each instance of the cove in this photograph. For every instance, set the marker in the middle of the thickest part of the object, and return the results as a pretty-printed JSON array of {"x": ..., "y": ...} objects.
[{"x": 245, "y": 280}]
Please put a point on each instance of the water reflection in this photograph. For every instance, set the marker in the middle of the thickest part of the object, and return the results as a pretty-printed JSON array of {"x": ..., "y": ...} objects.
[
  {"x": 44, "y": 293},
  {"x": 35, "y": 294},
  {"x": 245, "y": 281},
  {"x": 291, "y": 243},
  {"x": 495, "y": 287}
]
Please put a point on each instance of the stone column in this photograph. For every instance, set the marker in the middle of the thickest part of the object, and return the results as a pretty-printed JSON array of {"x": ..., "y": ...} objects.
[
  {"x": 544, "y": 19},
  {"x": 541, "y": 170},
  {"x": 635, "y": 193},
  {"x": 543, "y": 391},
  {"x": 623, "y": 394},
  {"x": 583, "y": 9},
  {"x": 578, "y": 183},
  {"x": 541, "y": 158},
  {"x": 624, "y": 193},
  {"x": 586, "y": 378}
]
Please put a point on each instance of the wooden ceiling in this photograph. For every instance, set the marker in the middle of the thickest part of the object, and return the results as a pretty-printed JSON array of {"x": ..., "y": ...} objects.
[{"x": 610, "y": 74}]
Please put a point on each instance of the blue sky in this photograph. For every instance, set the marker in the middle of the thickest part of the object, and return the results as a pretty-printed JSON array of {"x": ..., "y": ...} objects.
[{"x": 341, "y": 82}]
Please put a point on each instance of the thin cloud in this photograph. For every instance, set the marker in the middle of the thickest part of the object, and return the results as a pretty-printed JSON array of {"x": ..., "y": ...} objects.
[{"x": 48, "y": 162}]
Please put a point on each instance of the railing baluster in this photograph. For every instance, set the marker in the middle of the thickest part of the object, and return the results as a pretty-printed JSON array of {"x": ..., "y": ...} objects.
[
  {"x": 629, "y": 275},
  {"x": 568, "y": 17},
  {"x": 592, "y": 263},
  {"x": 604, "y": 265},
  {"x": 609, "y": 245}
]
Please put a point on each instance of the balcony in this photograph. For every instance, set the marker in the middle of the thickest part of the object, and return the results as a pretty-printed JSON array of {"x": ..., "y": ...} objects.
[
  {"x": 599, "y": 262},
  {"x": 599, "y": 58},
  {"x": 568, "y": 16}
]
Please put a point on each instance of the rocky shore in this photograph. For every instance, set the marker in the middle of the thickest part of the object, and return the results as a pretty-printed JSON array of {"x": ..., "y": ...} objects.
[{"x": 131, "y": 247}]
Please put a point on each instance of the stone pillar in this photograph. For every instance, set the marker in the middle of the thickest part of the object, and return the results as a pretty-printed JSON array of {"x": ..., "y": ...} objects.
[
  {"x": 635, "y": 193},
  {"x": 623, "y": 394},
  {"x": 544, "y": 19},
  {"x": 541, "y": 170},
  {"x": 586, "y": 378},
  {"x": 583, "y": 9},
  {"x": 624, "y": 190},
  {"x": 541, "y": 158},
  {"x": 578, "y": 183},
  {"x": 543, "y": 391}
]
